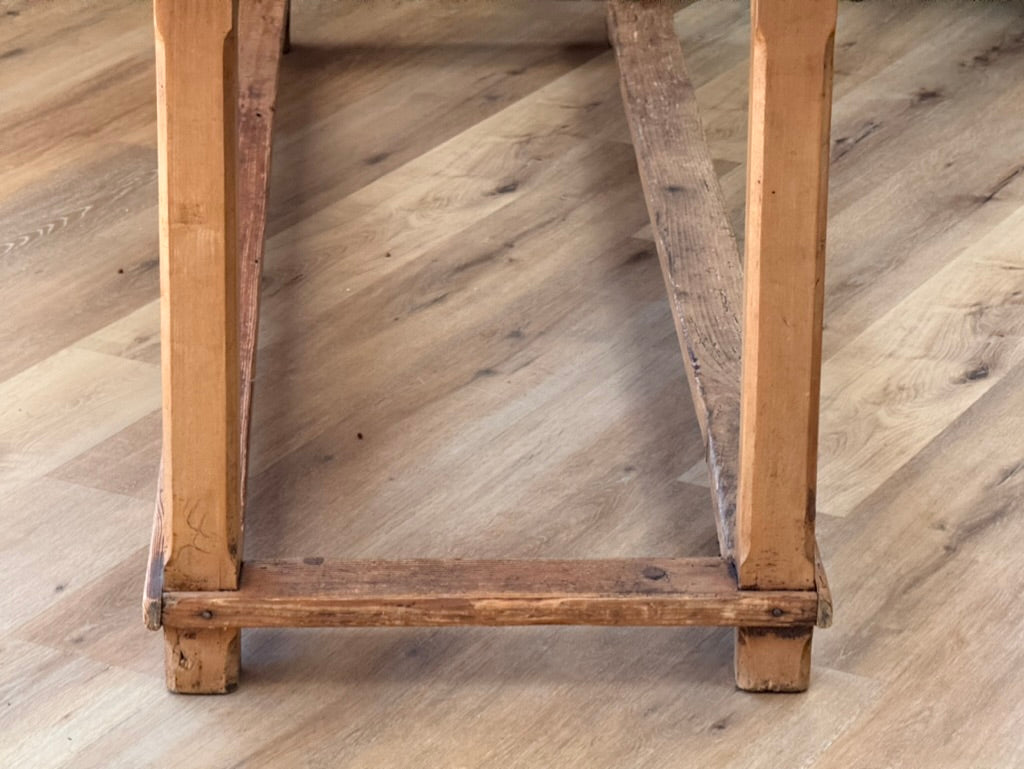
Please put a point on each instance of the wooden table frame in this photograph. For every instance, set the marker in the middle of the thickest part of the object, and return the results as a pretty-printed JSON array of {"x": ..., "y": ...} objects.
[{"x": 216, "y": 83}]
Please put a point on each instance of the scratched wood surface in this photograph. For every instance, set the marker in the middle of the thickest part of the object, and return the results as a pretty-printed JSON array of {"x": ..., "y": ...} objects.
[{"x": 460, "y": 272}]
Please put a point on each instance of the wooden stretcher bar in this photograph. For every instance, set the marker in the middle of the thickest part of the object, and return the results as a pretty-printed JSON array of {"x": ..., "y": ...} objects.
[{"x": 313, "y": 592}]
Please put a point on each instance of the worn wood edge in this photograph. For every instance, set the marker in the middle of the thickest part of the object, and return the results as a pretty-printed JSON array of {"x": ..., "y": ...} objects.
[
  {"x": 823, "y": 590},
  {"x": 646, "y": 592},
  {"x": 153, "y": 586},
  {"x": 261, "y": 36},
  {"x": 664, "y": 121}
]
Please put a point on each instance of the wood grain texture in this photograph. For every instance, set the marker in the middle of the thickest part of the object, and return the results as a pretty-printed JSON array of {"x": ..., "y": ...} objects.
[
  {"x": 790, "y": 105},
  {"x": 696, "y": 247},
  {"x": 197, "y": 114},
  {"x": 261, "y": 33},
  {"x": 316, "y": 593},
  {"x": 970, "y": 340},
  {"x": 197, "y": 57},
  {"x": 787, "y": 181}
]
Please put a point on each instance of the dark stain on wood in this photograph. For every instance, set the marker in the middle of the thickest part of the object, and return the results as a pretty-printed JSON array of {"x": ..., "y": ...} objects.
[
  {"x": 971, "y": 529},
  {"x": 796, "y": 631},
  {"x": 973, "y": 375},
  {"x": 643, "y": 255},
  {"x": 482, "y": 259},
  {"x": 844, "y": 144},
  {"x": 429, "y": 303},
  {"x": 999, "y": 186},
  {"x": 1009, "y": 472},
  {"x": 1014, "y": 45},
  {"x": 927, "y": 95},
  {"x": 380, "y": 157},
  {"x": 425, "y": 592}
]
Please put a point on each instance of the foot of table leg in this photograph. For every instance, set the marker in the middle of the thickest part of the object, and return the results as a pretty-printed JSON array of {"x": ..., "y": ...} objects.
[
  {"x": 202, "y": 661},
  {"x": 773, "y": 660}
]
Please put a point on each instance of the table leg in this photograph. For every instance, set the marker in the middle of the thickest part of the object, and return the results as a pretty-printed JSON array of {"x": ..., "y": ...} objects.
[
  {"x": 196, "y": 50},
  {"x": 787, "y": 181}
]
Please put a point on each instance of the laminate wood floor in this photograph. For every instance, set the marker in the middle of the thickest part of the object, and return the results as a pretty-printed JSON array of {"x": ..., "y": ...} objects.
[{"x": 466, "y": 351}]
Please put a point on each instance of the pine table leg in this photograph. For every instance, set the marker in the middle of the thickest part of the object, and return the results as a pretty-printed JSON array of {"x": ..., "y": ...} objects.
[
  {"x": 196, "y": 50},
  {"x": 787, "y": 180}
]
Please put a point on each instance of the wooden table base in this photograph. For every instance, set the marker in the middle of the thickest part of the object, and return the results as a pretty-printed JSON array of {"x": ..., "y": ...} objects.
[{"x": 754, "y": 384}]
